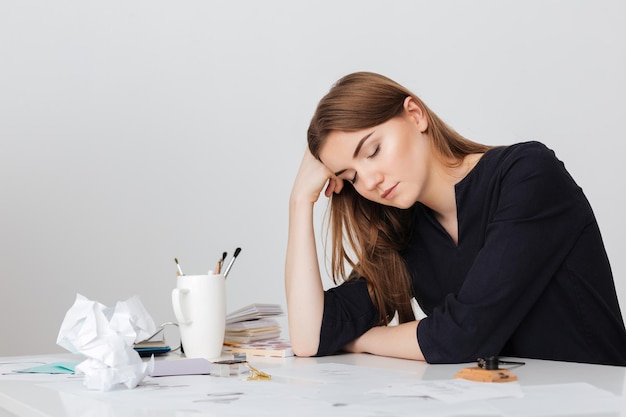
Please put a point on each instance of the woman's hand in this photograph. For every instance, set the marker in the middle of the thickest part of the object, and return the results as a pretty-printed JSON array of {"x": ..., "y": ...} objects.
[{"x": 311, "y": 178}]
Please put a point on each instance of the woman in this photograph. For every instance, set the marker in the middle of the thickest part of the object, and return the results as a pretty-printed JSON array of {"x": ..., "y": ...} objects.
[{"x": 498, "y": 245}]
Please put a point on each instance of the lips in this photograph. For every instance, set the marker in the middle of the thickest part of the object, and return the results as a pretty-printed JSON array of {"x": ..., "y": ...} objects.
[{"x": 388, "y": 191}]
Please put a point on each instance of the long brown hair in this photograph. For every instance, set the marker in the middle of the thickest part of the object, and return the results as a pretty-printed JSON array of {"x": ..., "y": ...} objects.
[{"x": 368, "y": 236}]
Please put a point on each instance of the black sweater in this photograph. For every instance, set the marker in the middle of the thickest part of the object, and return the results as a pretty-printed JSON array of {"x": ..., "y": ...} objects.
[{"x": 528, "y": 278}]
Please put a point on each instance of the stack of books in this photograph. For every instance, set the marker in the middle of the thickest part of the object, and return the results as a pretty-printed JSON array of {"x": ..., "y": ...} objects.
[
  {"x": 154, "y": 345},
  {"x": 254, "y": 330},
  {"x": 272, "y": 347},
  {"x": 253, "y": 323}
]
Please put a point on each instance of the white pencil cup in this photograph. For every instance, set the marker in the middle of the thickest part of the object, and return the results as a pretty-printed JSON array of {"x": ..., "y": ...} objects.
[{"x": 199, "y": 303}]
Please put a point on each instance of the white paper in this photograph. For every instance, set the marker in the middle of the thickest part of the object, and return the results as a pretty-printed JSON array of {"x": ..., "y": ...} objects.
[
  {"x": 576, "y": 398},
  {"x": 106, "y": 337},
  {"x": 454, "y": 390},
  {"x": 335, "y": 373}
]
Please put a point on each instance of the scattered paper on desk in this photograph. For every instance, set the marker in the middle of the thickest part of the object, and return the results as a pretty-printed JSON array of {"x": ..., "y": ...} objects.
[
  {"x": 575, "y": 398},
  {"x": 335, "y": 373},
  {"x": 453, "y": 390},
  {"x": 106, "y": 337}
]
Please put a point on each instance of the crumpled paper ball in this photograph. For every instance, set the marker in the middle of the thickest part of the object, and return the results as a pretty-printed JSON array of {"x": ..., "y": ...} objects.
[{"x": 106, "y": 337}]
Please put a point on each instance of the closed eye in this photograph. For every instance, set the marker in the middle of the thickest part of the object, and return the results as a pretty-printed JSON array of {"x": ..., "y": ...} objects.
[
  {"x": 375, "y": 152},
  {"x": 353, "y": 180}
]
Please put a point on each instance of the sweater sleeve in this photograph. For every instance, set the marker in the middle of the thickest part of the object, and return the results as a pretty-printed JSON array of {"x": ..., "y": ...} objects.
[
  {"x": 348, "y": 313},
  {"x": 536, "y": 217}
]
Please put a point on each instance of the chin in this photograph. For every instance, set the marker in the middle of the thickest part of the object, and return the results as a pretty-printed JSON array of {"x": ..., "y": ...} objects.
[
  {"x": 405, "y": 203},
  {"x": 404, "y": 206},
  {"x": 398, "y": 204}
]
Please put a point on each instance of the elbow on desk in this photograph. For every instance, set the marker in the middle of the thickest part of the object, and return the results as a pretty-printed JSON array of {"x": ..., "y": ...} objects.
[
  {"x": 304, "y": 341},
  {"x": 303, "y": 349}
]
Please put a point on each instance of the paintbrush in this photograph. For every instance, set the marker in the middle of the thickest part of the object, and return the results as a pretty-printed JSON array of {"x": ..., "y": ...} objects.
[{"x": 232, "y": 261}]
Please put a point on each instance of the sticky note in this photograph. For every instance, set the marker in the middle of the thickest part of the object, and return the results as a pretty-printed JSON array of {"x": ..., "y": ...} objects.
[{"x": 51, "y": 368}]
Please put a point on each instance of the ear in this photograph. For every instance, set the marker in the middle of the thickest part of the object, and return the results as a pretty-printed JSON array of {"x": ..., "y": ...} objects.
[{"x": 415, "y": 111}]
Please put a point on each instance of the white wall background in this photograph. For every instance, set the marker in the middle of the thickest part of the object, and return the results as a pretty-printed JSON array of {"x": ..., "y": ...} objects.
[{"x": 133, "y": 132}]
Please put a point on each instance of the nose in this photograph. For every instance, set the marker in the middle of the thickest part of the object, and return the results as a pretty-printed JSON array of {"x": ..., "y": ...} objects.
[{"x": 371, "y": 179}]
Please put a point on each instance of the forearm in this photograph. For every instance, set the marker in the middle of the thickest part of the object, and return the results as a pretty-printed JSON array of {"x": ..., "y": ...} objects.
[
  {"x": 394, "y": 341},
  {"x": 303, "y": 285}
]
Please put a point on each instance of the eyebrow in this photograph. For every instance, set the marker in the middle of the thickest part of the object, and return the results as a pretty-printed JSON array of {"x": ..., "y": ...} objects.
[{"x": 356, "y": 151}]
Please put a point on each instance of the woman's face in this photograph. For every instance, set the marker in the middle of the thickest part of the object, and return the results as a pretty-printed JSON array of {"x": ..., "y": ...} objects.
[{"x": 389, "y": 163}]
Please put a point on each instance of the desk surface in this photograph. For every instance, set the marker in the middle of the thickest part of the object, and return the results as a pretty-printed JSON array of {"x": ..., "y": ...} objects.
[{"x": 342, "y": 385}]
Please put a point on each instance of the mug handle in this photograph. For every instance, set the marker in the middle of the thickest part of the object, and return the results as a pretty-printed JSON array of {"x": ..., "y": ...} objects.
[{"x": 177, "y": 294}]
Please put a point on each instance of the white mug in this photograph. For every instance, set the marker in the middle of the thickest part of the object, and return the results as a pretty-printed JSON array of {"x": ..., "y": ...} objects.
[{"x": 199, "y": 303}]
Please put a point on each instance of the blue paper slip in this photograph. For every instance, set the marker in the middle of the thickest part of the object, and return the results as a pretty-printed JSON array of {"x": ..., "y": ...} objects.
[{"x": 51, "y": 368}]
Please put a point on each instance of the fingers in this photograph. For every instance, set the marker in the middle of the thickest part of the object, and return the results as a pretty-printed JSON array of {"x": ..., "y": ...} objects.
[
  {"x": 335, "y": 185},
  {"x": 338, "y": 185},
  {"x": 329, "y": 188},
  {"x": 311, "y": 179}
]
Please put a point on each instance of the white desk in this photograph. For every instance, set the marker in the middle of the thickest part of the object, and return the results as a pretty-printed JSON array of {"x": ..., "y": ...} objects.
[{"x": 295, "y": 389}]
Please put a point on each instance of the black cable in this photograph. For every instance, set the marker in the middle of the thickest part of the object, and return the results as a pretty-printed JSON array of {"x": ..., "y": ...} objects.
[{"x": 492, "y": 363}]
